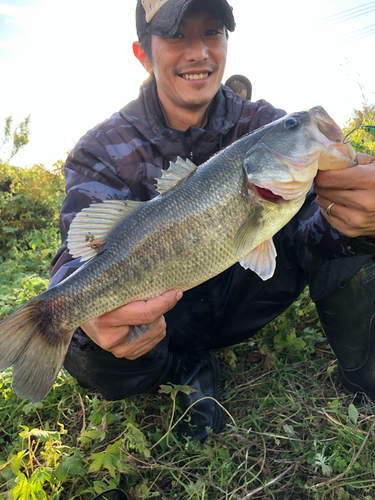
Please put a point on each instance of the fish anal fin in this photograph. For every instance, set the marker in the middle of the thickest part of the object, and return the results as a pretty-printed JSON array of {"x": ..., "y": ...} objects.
[
  {"x": 177, "y": 173},
  {"x": 244, "y": 240},
  {"x": 90, "y": 227},
  {"x": 261, "y": 260}
]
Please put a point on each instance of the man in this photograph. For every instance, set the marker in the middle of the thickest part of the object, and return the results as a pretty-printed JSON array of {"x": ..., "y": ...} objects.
[{"x": 183, "y": 110}]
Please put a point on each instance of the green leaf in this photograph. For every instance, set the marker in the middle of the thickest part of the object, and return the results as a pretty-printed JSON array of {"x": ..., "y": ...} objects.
[
  {"x": 107, "y": 464},
  {"x": 61, "y": 472},
  {"x": 135, "y": 439},
  {"x": 72, "y": 466},
  {"x": 113, "y": 458},
  {"x": 36, "y": 482},
  {"x": 330, "y": 370},
  {"x": 173, "y": 389},
  {"x": 162, "y": 442},
  {"x": 88, "y": 436},
  {"x": 289, "y": 430},
  {"x": 30, "y": 407},
  {"x": 97, "y": 461},
  {"x": 21, "y": 489},
  {"x": 353, "y": 413},
  {"x": 15, "y": 464},
  {"x": 40, "y": 434}
]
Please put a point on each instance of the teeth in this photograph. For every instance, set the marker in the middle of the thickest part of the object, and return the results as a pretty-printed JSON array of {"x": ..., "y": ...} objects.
[{"x": 195, "y": 77}]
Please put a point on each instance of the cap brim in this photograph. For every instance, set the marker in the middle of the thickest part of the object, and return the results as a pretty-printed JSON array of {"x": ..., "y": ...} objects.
[{"x": 166, "y": 21}]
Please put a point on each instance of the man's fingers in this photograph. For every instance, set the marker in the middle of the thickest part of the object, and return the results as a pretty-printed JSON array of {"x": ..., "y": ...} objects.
[
  {"x": 111, "y": 330},
  {"x": 324, "y": 203},
  {"x": 354, "y": 200},
  {"x": 349, "y": 221},
  {"x": 336, "y": 179},
  {"x": 141, "y": 312},
  {"x": 357, "y": 177},
  {"x": 365, "y": 159},
  {"x": 330, "y": 210},
  {"x": 143, "y": 345}
]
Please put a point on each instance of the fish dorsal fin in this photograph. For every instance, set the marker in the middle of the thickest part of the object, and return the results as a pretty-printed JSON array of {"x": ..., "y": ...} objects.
[
  {"x": 91, "y": 226},
  {"x": 244, "y": 240},
  {"x": 177, "y": 173},
  {"x": 261, "y": 260}
]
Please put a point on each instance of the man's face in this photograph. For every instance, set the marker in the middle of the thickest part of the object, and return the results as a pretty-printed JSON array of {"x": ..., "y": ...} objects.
[{"x": 189, "y": 67}]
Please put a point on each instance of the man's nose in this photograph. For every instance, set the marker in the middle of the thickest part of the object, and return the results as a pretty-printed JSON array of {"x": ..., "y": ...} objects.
[{"x": 196, "y": 50}]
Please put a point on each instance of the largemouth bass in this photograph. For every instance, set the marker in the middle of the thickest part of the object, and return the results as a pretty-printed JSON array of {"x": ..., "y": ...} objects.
[{"x": 204, "y": 220}]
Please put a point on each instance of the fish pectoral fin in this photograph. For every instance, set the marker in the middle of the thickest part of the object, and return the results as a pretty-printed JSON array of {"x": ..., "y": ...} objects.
[
  {"x": 261, "y": 260},
  {"x": 177, "y": 173},
  {"x": 91, "y": 226},
  {"x": 244, "y": 240}
]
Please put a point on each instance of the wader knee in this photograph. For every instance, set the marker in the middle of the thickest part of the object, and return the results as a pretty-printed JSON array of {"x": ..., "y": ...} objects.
[
  {"x": 348, "y": 319},
  {"x": 116, "y": 378}
]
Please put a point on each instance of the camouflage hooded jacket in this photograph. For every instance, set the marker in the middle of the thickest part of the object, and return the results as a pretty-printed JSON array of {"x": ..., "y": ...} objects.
[{"x": 121, "y": 157}]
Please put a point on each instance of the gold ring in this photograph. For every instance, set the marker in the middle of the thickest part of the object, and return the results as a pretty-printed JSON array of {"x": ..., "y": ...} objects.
[{"x": 328, "y": 211}]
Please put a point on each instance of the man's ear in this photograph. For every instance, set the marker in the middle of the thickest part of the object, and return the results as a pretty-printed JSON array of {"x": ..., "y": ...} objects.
[{"x": 140, "y": 54}]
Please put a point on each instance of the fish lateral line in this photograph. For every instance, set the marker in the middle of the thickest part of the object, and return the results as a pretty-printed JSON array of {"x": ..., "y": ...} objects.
[{"x": 35, "y": 338}]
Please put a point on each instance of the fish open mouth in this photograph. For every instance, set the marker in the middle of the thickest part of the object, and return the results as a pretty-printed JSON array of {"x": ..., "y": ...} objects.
[{"x": 268, "y": 195}]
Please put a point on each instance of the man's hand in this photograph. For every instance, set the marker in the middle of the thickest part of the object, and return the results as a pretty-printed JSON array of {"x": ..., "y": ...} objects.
[
  {"x": 352, "y": 190},
  {"x": 110, "y": 331}
]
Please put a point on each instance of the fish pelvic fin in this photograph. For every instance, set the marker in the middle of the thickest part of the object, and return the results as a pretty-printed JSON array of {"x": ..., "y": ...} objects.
[
  {"x": 244, "y": 240},
  {"x": 90, "y": 227},
  {"x": 177, "y": 173},
  {"x": 137, "y": 331},
  {"x": 35, "y": 352},
  {"x": 261, "y": 260}
]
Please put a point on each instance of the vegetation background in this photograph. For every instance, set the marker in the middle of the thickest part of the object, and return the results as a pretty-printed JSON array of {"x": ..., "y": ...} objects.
[{"x": 290, "y": 432}]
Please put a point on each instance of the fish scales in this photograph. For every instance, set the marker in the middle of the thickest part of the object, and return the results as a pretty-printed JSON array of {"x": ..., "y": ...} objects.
[
  {"x": 204, "y": 220},
  {"x": 186, "y": 238}
]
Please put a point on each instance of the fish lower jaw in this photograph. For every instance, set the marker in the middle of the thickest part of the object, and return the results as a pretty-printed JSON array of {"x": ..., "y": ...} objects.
[{"x": 336, "y": 160}]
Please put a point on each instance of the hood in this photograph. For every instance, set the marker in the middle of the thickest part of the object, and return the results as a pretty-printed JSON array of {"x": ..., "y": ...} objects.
[{"x": 195, "y": 143}]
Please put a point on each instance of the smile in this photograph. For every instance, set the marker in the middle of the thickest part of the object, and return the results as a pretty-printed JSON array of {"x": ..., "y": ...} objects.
[{"x": 199, "y": 76}]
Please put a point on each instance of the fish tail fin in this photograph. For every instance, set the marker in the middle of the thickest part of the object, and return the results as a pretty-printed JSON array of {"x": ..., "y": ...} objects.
[{"x": 34, "y": 350}]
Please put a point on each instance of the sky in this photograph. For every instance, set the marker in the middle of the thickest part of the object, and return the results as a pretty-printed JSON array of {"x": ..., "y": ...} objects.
[{"x": 69, "y": 63}]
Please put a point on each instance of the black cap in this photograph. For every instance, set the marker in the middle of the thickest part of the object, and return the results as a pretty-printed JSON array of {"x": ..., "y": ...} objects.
[{"x": 163, "y": 17}]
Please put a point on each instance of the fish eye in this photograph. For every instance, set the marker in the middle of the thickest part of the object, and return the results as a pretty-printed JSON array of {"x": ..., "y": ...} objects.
[{"x": 290, "y": 124}]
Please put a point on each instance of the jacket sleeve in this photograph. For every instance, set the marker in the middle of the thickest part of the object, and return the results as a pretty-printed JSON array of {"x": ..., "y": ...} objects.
[
  {"x": 315, "y": 232},
  {"x": 90, "y": 178}
]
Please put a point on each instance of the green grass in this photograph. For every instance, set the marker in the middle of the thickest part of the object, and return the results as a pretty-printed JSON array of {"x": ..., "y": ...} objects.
[{"x": 289, "y": 432}]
